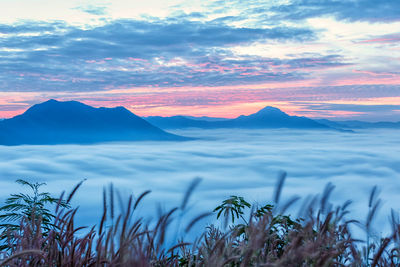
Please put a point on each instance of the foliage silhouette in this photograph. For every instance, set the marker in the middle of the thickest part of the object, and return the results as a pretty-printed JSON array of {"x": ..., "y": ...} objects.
[
  {"x": 34, "y": 208},
  {"x": 265, "y": 238}
]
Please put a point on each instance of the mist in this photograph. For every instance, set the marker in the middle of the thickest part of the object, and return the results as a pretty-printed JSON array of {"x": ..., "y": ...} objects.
[{"x": 230, "y": 162}]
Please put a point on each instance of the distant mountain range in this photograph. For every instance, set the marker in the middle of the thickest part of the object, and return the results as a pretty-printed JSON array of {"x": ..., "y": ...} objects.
[
  {"x": 359, "y": 124},
  {"x": 55, "y": 122},
  {"x": 268, "y": 117},
  {"x": 72, "y": 122}
]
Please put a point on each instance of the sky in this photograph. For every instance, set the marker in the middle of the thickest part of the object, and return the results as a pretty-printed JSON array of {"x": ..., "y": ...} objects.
[{"x": 329, "y": 58}]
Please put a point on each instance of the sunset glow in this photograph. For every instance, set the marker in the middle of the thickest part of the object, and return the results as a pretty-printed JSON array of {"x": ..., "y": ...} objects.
[{"x": 203, "y": 58}]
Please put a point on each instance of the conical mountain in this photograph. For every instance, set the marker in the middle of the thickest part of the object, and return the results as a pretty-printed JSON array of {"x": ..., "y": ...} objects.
[
  {"x": 271, "y": 117},
  {"x": 268, "y": 117}
]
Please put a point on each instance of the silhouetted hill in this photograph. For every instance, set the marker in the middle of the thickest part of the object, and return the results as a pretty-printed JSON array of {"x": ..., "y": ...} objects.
[
  {"x": 205, "y": 118},
  {"x": 360, "y": 124},
  {"x": 268, "y": 117},
  {"x": 178, "y": 122},
  {"x": 55, "y": 122}
]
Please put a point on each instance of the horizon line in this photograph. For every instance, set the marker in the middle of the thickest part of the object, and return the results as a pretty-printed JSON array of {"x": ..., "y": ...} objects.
[{"x": 332, "y": 118}]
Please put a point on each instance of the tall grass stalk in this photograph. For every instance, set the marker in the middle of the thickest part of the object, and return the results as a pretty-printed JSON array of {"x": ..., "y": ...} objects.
[{"x": 257, "y": 235}]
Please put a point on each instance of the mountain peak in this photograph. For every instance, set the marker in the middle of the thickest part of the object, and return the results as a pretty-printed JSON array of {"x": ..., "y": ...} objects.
[
  {"x": 57, "y": 102},
  {"x": 64, "y": 122},
  {"x": 54, "y": 106},
  {"x": 51, "y": 101},
  {"x": 54, "y": 102},
  {"x": 271, "y": 117},
  {"x": 270, "y": 111}
]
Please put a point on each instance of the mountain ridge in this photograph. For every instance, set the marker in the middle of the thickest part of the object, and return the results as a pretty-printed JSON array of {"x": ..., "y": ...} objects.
[
  {"x": 65, "y": 122},
  {"x": 355, "y": 124},
  {"x": 267, "y": 117}
]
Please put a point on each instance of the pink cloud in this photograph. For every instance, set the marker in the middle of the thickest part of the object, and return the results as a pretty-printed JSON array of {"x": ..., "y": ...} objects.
[
  {"x": 137, "y": 59},
  {"x": 368, "y": 80},
  {"x": 383, "y": 39},
  {"x": 377, "y": 74}
]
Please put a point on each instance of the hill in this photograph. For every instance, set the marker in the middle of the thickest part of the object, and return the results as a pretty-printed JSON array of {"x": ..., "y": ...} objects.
[
  {"x": 354, "y": 124},
  {"x": 268, "y": 117},
  {"x": 55, "y": 122}
]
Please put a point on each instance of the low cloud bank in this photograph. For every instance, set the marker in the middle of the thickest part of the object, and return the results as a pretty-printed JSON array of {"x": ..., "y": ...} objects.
[{"x": 238, "y": 162}]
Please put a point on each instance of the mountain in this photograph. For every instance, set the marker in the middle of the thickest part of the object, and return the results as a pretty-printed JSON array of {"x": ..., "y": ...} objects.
[
  {"x": 178, "y": 122},
  {"x": 271, "y": 117},
  {"x": 359, "y": 124},
  {"x": 268, "y": 117},
  {"x": 55, "y": 122},
  {"x": 205, "y": 118}
]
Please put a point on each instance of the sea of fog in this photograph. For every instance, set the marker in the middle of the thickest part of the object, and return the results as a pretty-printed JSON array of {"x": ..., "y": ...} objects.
[{"x": 230, "y": 162}]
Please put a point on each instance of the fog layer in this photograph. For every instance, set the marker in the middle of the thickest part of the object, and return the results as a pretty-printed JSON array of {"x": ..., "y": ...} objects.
[{"x": 230, "y": 162}]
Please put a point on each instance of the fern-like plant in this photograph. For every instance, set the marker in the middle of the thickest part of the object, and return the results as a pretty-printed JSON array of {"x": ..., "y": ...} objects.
[
  {"x": 232, "y": 207},
  {"x": 31, "y": 208}
]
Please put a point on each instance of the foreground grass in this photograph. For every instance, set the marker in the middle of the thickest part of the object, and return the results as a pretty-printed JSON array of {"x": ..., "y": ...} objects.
[{"x": 253, "y": 236}]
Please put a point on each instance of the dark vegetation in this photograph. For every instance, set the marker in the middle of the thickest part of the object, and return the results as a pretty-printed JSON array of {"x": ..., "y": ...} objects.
[{"x": 243, "y": 235}]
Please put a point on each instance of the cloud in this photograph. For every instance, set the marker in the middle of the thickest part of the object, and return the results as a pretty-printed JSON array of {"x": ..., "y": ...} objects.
[
  {"x": 240, "y": 44},
  {"x": 33, "y": 27},
  {"x": 357, "y": 10},
  {"x": 230, "y": 162},
  {"x": 93, "y": 10},
  {"x": 382, "y": 39},
  {"x": 170, "y": 52},
  {"x": 225, "y": 96},
  {"x": 167, "y": 34},
  {"x": 355, "y": 107},
  {"x": 256, "y": 12},
  {"x": 366, "y": 112}
]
